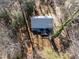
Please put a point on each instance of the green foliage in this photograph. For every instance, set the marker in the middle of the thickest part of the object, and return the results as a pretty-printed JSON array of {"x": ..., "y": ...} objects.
[
  {"x": 3, "y": 13},
  {"x": 18, "y": 19},
  {"x": 66, "y": 23},
  {"x": 29, "y": 6},
  {"x": 18, "y": 57},
  {"x": 42, "y": 1},
  {"x": 51, "y": 54}
]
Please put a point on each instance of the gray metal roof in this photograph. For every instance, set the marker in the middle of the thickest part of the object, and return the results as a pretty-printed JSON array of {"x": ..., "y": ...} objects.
[{"x": 41, "y": 22}]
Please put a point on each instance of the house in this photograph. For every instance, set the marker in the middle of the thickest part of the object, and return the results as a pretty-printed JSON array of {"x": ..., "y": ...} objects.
[{"x": 42, "y": 25}]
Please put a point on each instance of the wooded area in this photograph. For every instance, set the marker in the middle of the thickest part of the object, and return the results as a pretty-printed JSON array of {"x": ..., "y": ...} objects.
[{"x": 17, "y": 41}]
